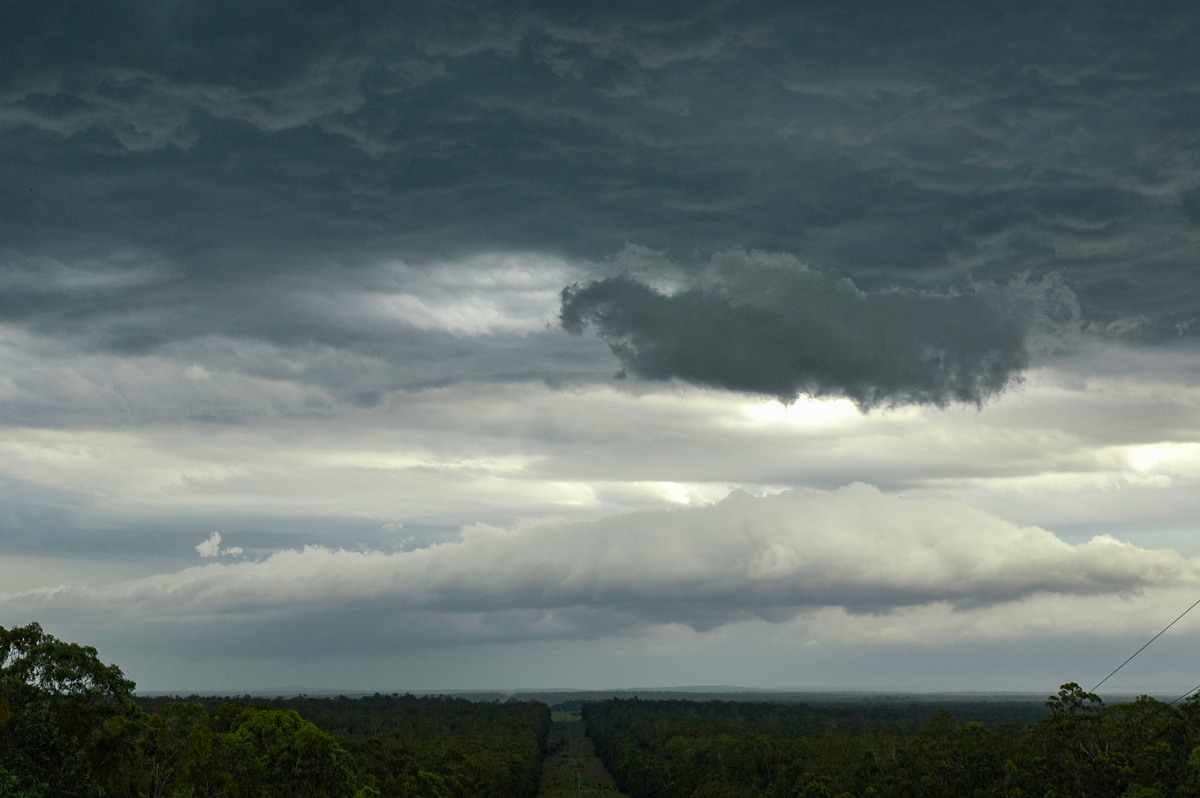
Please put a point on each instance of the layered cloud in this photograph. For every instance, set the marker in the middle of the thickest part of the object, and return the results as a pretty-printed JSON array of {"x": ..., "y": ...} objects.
[
  {"x": 236, "y": 169},
  {"x": 321, "y": 443},
  {"x": 295, "y": 272},
  {"x": 856, "y": 549}
]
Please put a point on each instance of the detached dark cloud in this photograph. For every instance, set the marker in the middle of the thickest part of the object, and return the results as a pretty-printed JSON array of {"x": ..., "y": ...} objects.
[{"x": 789, "y": 331}]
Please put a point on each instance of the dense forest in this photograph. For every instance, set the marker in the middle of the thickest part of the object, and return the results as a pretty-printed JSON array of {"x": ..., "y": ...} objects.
[
  {"x": 1080, "y": 748},
  {"x": 71, "y": 727}
]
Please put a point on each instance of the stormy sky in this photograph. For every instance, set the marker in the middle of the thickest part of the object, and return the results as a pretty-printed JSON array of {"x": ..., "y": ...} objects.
[{"x": 400, "y": 346}]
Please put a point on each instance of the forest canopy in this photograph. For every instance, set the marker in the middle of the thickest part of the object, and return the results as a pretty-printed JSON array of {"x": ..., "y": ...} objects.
[{"x": 71, "y": 727}]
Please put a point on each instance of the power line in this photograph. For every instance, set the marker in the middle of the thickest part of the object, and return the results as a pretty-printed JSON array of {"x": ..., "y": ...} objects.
[
  {"x": 1143, "y": 648},
  {"x": 1185, "y": 695}
]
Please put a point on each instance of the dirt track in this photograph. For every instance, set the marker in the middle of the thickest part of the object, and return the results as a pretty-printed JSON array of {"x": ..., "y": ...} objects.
[{"x": 572, "y": 768}]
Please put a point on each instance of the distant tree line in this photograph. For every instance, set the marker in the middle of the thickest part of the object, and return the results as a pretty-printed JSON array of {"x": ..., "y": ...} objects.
[
  {"x": 1079, "y": 749},
  {"x": 70, "y": 727}
]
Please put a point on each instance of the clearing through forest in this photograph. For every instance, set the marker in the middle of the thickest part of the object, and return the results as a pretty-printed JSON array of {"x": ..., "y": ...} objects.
[{"x": 572, "y": 769}]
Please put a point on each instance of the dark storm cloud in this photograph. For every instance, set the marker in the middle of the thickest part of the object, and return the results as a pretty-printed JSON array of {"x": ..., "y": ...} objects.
[
  {"x": 789, "y": 331},
  {"x": 171, "y": 170}
]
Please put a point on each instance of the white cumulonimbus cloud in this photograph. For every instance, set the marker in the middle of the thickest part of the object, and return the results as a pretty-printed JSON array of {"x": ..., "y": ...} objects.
[{"x": 856, "y": 549}]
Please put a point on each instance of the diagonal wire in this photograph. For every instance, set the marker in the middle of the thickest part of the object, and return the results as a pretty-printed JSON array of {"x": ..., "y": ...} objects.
[
  {"x": 1185, "y": 695},
  {"x": 1143, "y": 648}
]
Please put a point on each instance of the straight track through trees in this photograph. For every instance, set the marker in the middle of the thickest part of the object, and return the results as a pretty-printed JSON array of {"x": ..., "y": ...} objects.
[{"x": 572, "y": 769}]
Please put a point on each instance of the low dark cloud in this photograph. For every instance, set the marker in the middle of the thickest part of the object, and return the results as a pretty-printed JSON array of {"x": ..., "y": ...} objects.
[{"x": 790, "y": 331}]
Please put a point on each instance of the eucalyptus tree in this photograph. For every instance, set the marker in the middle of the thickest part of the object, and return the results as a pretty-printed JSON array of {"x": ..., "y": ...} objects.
[{"x": 68, "y": 723}]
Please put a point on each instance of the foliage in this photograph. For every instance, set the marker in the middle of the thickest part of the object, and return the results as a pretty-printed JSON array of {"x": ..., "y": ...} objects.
[
  {"x": 284, "y": 756},
  {"x": 664, "y": 749},
  {"x": 70, "y": 728},
  {"x": 67, "y": 720},
  {"x": 438, "y": 746}
]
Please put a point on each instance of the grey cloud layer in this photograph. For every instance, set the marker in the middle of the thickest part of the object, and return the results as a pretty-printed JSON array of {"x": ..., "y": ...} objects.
[
  {"x": 785, "y": 331},
  {"x": 769, "y": 558},
  {"x": 290, "y": 270},
  {"x": 179, "y": 169}
]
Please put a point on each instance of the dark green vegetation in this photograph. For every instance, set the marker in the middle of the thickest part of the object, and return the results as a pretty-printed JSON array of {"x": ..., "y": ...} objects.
[
  {"x": 571, "y": 769},
  {"x": 70, "y": 727},
  {"x": 664, "y": 749}
]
